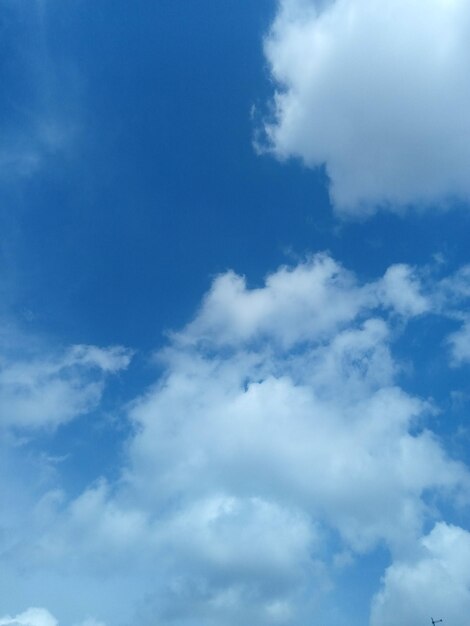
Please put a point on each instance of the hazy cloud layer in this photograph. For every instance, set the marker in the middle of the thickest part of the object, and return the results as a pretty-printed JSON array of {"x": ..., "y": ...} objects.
[{"x": 377, "y": 93}]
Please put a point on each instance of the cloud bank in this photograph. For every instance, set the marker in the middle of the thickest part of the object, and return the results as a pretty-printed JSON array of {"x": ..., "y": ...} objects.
[
  {"x": 277, "y": 448},
  {"x": 379, "y": 94}
]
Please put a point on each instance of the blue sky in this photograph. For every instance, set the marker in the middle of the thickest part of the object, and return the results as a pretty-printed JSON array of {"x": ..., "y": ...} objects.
[{"x": 235, "y": 338}]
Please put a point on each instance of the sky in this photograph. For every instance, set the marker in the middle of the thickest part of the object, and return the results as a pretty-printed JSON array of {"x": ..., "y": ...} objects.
[{"x": 234, "y": 312}]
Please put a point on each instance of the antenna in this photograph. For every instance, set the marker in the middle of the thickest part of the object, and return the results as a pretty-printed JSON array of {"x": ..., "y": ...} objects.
[{"x": 435, "y": 621}]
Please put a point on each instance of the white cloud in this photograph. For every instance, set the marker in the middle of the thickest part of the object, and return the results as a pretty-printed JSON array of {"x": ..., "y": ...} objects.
[
  {"x": 285, "y": 395},
  {"x": 48, "y": 390},
  {"x": 31, "y": 617},
  {"x": 306, "y": 303},
  {"x": 295, "y": 305},
  {"x": 277, "y": 421},
  {"x": 435, "y": 582},
  {"x": 40, "y": 388},
  {"x": 326, "y": 430},
  {"x": 459, "y": 343},
  {"x": 402, "y": 290},
  {"x": 379, "y": 94},
  {"x": 275, "y": 449}
]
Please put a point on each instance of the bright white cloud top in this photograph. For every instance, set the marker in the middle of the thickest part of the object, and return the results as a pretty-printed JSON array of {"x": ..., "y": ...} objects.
[
  {"x": 378, "y": 93},
  {"x": 277, "y": 448}
]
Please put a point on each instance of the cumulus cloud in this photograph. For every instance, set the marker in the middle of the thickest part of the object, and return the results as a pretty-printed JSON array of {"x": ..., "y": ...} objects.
[
  {"x": 295, "y": 304},
  {"x": 276, "y": 441},
  {"x": 305, "y": 303},
  {"x": 378, "y": 94},
  {"x": 48, "y": 390},
  {"x": 276, "y": 448},
  {"x": 433, "y": 582},
  {"x": 252, "y": 421}
]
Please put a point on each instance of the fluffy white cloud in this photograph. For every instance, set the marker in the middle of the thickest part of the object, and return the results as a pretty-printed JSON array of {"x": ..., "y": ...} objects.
[
  {"x": 31, "y": 617},
  {"x": 285, "y": 396},
  {"x": 45, "y": 391},
  {"x": 295, "y": 305},
  {"x": 324, "y": 427},
  {"x": 434, "y": 582},
  {"x": 379, "y": 94},
  {"x": 275, "y": 446},
  {"x": 305, "y": 303},
  {"x": 276, "y": 423}
]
